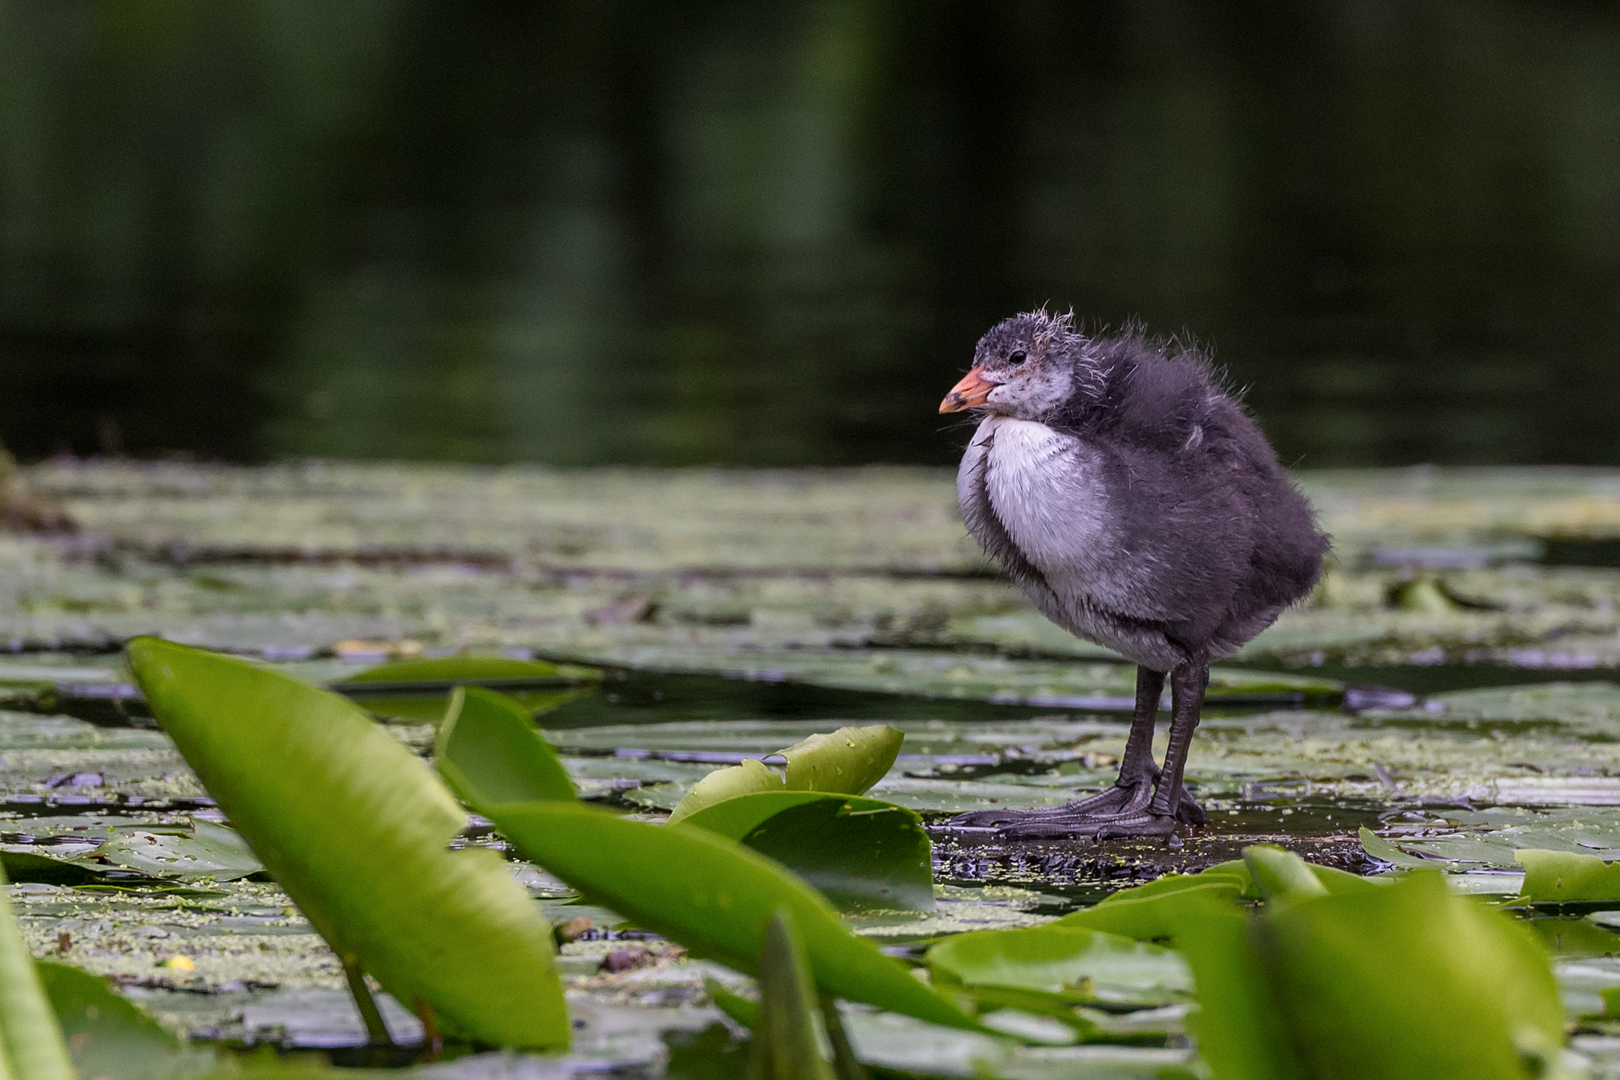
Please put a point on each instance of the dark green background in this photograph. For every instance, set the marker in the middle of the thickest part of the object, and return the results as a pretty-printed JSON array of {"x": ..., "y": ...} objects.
[{"x": 770, "y": 233}]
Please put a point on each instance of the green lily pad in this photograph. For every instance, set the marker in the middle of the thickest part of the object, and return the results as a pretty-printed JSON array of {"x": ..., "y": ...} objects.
[
  {"x": 31, "y": 1046},
  {"x": 1562, "y": 876},
  {"x": 1075, "y": 964},
  {"x": 416, "y": 689},
  {"x": 787, "y": 1036},
  {"x": 32, "y": 866},
  {"x": 711, "y": 895},
  {"x": 110, "y": 1036},
  {"x": 357, "y": 830},
  {"x": 1412, "y": 981},
  {"x": 205, "y": 851},
  {"x": 488, "y": 746},
  {"x": 847, "y": 762},
  {"x": 860, "y": 853}
]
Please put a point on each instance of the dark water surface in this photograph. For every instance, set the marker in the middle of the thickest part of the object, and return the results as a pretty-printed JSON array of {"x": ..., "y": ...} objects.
[{"x": 770, "y": 234}]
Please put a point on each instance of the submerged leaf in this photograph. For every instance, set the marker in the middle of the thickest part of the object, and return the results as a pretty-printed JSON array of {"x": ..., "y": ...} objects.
[
  {"x": 711, "y": 895},
  {"x": 489, "y": 751},
  {"x": 861, "y": 853},
  {"x": 356, "y": 829},
  {"x": 1557, "y": 876},
  {"x": 845, "y": 762}
]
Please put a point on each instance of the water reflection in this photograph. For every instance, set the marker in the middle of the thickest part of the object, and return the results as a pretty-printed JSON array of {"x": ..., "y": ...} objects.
[{"x": 769, "y": 234}]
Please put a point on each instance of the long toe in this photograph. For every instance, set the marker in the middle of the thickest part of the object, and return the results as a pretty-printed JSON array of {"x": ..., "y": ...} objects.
[
  {"x": 1137, "y": 825},
  {"x": 986, "y": 819},
  {"x": 1188, "y": 812},
  {"x": 1120, "y": 799}
]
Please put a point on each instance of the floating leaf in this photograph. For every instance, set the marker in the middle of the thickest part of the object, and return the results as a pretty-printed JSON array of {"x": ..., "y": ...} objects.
[
  {"x": 203, "y": 851},
  {"x": 1075, "y": 964},
  {"x": 1241, "y": 1033},
  {"x": 860, "y": 853},
  {"x": 1411, "y": 981},
  {"x": 1155, "y": 916},
  {"x": 1384, "y": 851},
  {"x": 1561, "y": 876},
  {"x": 30, "y": 866},
  {"x": 415, "y": 689},
  {"x": 488, "y": 745},
  {"x": 711, "y": 895},
  {"x": 110, "y": 1036},
  {"x": 356, "y": 829},
  {"x": 787, "y": 1044},
  {"x": 846, "y": 762},
  {"x": 750, "y": 777},
  {"x": 460, "y": 670},
  {"x": 31, "y": 1046}
]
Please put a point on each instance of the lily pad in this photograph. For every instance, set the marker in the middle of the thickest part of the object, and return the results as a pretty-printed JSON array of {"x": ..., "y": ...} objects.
[
  {"x": 787, "y": 1035},
  {"x": 711, "y": 895},
  {"x": 488, "y": 746},
  {"x": 1562, "y": 876},
  {"x": 860, "y": 853},
  {"x": 204, "y": 851},
  {"x": 110, "y": 1036},
  {"x": 1412, "y": 981},
  {"x": 31, "y": 1046},
  {"x": 847, "y": 761},
  {"x": 415, "y": 689},
  {"x": 356, "y": 830},
  {"x": 1076, "y": 964}
]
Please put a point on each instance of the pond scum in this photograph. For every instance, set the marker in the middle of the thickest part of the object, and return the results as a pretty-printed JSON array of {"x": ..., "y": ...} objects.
[{"x": 276, "y": 801}]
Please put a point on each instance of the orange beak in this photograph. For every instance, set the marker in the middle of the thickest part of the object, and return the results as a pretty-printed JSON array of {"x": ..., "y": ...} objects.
[{"x": 972, "y": 390}]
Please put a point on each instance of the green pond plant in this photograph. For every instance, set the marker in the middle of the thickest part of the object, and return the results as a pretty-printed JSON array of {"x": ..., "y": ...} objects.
[
  {"x": 846, "y": 762},
  {"x": 31, "y": 1046},
  {"x": 356, "y": 829}
]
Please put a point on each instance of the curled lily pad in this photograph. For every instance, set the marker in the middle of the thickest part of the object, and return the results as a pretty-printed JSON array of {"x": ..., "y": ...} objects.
[
  {"x": 711, "y": 895},
  {"x": 488, "y": 749},
  {"x": 847, "y": 762},
  {"x": 205, "y": 850},
  {"x": 357, "y": 830},
  {"x": 861, "y": 853}
]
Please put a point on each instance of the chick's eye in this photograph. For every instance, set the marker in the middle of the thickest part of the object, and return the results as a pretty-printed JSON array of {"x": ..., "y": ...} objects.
[{"x": 1017, "y": 357}]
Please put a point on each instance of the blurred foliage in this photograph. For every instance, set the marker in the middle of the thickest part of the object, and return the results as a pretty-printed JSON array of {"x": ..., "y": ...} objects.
[{"x": 725, "y": 232}]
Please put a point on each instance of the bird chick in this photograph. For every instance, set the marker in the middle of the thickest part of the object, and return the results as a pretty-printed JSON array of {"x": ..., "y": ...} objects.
[{"x": 1138, "y": 506}]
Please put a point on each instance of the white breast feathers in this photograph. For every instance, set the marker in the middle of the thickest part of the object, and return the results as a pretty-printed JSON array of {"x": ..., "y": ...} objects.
[{"x": 1046, "y": 488}]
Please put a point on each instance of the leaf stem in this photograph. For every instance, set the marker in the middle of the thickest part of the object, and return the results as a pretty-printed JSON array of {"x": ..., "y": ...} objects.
[{"x": 376, "y": 1030}]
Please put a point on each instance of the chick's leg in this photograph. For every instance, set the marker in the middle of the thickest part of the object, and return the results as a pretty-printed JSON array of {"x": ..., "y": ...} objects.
[{"x": 1129, "y": 795}]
